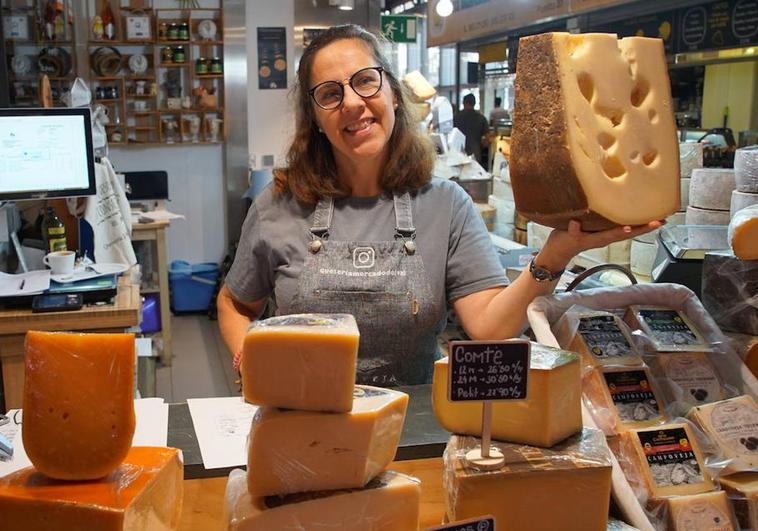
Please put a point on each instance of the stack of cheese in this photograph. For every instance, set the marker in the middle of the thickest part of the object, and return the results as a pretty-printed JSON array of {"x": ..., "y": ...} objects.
[
  {"x": 746, "y": 179},
  {"x": 690, "y": 159},
  {"x": 319, "y": 444},
  {"x": 502, "y": 200},
  {"x": 710, "y": 196},
  {"x": 77, "y": 431},
  {"x": 550, "y": 460}
]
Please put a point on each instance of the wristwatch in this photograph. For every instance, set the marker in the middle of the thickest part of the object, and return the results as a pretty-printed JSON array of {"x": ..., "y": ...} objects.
[{"x": 540, "y": 274}]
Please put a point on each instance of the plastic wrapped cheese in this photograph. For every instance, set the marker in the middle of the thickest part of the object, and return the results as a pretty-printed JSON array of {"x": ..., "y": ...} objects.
[
  {"x": 600, "y": 337},
  {"x": 689, "y": 379},
  {"x": 145, "y": 492},
  {"x": 729, "y": 289},
  {"x": 389, "y": 502},
  {"x": 743, "y": 493},
  {"x": 690, "y": 158},
  {"x": 669, "y": 329},
  {"x": 743, "y": 233},
  {"x": 78, "y": 402},
  {"x": 709, "y": 511},
  {"x": 565, "y": 487},
  {"x": 301, "y": 361}
]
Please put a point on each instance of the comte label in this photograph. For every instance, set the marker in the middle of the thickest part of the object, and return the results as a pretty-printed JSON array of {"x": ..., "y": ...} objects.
[
  {"x": 671, "y": 457},
  {"x": 632, "y": 396}
]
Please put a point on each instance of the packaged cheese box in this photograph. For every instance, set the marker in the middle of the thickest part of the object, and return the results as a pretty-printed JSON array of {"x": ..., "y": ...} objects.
[
  {"x": 689, "y": 379},
  {"x": 668, "y": 329},
  {"x": 709, "y": 511},
  {"x": 565, "y": 487},
  {"x": 601, "y": 338},
  {"x": 733, "y": 425}
]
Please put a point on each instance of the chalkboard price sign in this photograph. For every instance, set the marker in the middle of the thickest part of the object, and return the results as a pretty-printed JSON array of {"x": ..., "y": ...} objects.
[
  {"x": 488, "y": 370},
  {"x": 483, "y": 523}
]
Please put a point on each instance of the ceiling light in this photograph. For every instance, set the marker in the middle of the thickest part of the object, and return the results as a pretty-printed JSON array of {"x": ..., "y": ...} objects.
[
  {"x": 346, "y": 5},
  {"x": 444, "y": 8}
]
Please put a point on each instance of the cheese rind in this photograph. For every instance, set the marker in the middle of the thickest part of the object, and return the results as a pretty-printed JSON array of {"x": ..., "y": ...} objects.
[
  {"x": 390, "y": 502},
  {"x": 144, "y": 492},
  {"x": 551, "y": 412},
  {"x": 742, "y": 200},
  {"x": 711, "y": 188},
  {"x": 78, "y": 402},
  {"x": 743, "y": 492},
  {"x": 664, "y": 461},
  {"x": 708, "y": 511},
  {"x": 704, "y": 216},
  {"x": 594, "y": 137},
  {"x": 300, "y": 451},
  {"x": 302, "y": 361},
  {"x": 746, "y": 169},
  {"x": 566, "y": 487},
  {"x": 670, "y": 330},
  {"x": 733, "y": 425},
  {"x": 743, "y": 233},
  {"x": 690, "y": 157}
]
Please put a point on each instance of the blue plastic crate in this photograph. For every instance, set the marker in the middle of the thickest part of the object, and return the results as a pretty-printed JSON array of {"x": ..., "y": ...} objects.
[{"x": 192, "y": 285}]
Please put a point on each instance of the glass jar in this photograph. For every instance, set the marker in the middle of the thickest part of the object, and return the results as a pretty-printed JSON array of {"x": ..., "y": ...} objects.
[
  {"x": 201, "y": 66},
  {"x": 163, "y": 31},
  {"x": 216, "y": 66},
  {"x": 173, "y": 31},
  {"x": 179, "y": 55},
  {"x": 184, "y": 33},
  {"x": 167, "y": 54}
]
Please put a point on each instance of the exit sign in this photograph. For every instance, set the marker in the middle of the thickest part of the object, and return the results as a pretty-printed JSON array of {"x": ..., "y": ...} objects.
[{"x": 399, "y": 28}]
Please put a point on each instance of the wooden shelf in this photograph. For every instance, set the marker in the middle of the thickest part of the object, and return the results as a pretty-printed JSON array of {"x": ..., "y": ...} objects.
[
  {"x": 190, "y": 110},
  {"x": 175, "y": 43},
  {"x": 142, "y": 128},
  {"x": 119, "y": 43},
  {"x": 139, "y": 96},
  {"x": 174, "y": 65},
  {"x": 107, "y": 100},
  {"x": 208, "y": 76},
  {"x": 30, "y": 42},
  {"x": 209, "y": 43}
]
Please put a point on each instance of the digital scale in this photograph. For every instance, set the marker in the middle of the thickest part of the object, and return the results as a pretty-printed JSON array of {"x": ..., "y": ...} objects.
[{"x": 681, "y": 250}]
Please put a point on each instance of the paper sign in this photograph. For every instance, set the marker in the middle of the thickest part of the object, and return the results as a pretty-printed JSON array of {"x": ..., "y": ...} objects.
[{"x": 488, "y": 370}]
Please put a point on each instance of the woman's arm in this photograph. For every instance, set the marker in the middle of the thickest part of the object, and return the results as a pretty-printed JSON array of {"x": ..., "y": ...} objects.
[
  {"x": 234, "y": 317},
  {"x": 500, "y": 313}
]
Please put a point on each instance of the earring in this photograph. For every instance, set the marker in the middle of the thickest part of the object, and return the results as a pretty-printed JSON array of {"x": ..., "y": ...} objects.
[{"x": 320, "y": 130}]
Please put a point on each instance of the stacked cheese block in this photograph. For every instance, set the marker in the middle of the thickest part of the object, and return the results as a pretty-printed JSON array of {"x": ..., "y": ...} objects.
[
  {"x": 710, "y": 196},
  {"x": 320, "y": 463},
  {"x": 746, "y": 179},
  {"x": 556, "y": 474},
  {"x": 77, "y": 431}
]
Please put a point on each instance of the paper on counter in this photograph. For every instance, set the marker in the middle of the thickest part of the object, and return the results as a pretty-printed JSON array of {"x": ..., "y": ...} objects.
[
  {"x": 29, "y": 283},
  {"x": 159, "y": 215},
  {"x": 222, "y": 426}
]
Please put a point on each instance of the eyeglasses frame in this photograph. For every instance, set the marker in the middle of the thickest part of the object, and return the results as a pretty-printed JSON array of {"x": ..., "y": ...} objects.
[{"x": 348, "y": 81}]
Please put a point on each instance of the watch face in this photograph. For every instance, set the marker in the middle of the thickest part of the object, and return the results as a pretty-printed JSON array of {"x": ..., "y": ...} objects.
[{"x": 541, "y": 274}]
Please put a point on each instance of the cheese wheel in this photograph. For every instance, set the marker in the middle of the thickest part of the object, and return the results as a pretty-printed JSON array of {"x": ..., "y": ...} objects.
[
  {"x": 643, "y": 256},
  {"x": 742, "y": 200},
  {"x": 746, "y": 169},
  {"x": 594, "y": 136},
  {"x": 684, "y": 190},
  {"x": 690, "y": 158},
  {"x": 743, "y": 233},
  {"x": 78, "y": 403},
  {"x": 678, "y": 218},
  {"x": 701, "y": 216},
  {"x": 711, "y": 188}
]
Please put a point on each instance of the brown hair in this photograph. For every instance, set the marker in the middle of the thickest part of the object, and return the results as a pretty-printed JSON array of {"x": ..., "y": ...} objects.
[{"x": 311, "y": 172}]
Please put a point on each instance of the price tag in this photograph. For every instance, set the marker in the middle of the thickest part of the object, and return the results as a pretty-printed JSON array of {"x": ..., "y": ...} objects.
[
  {"x": 482, "y": 523},
  {"x": 488, "y": 370}
]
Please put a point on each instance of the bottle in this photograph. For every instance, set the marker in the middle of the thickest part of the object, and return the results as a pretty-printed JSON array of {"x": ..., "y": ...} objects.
[{"x": 54, "y": 231}]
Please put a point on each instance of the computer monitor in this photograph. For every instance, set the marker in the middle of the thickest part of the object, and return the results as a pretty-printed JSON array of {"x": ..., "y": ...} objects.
[{"x": 46, "y": 153}]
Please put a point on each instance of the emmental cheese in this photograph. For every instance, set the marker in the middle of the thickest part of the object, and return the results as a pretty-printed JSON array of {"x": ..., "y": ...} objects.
[
  {"x": 600, "y": 337},
  {"x": 733, "y": 425},
  {"x": 389, "y": 502},
  {"x": 78, "y": 402},
  {"x": 743, "y": 233},
  {"x": 594, "y": 137},
  {"x": 566, "y": 487},
  {"x": 743, "y": 492},
  {"x": 551, "y": 412},
  {"x": 297, "y": 451},
  {"x": 664, "y": 461},
  {"x": 708, "y": 511},
  {"x": 670, "y": 330},
  {"x": 302, "y": 361},
  {"x": 144, "y": 492}
]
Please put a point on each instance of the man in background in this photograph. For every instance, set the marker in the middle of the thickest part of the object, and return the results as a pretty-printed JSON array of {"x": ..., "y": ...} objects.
[
  {"x": 473, "y": 125},
  {"x": 498, "y": 113}
]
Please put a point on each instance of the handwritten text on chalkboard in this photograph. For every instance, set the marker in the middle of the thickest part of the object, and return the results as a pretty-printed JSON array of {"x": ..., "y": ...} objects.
[{"x": 488, "y": 370}]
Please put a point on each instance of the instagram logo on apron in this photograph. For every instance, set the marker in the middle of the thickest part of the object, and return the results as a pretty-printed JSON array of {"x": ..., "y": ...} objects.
[{"x": 364, "y": 257}]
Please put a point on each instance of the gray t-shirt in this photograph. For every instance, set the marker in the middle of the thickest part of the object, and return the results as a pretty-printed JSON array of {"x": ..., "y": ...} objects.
[{"x": 451, "y": 238}]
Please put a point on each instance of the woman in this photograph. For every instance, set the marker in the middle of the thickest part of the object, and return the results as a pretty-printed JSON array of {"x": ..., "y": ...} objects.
[{"x": 355, "y": 224}]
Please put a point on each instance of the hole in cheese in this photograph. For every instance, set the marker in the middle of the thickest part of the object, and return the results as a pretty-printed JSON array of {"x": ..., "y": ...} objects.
[
  {"x": 65, "y": 415},
  {"x": 649, "y": 157},
  {"x": 613, "y": 167},
  {"x": 634, "y": 156},
  {"x": 614, "y": 115},
  {"x": 606, "y": 140},
  {"x": 640, "y": 91},
  {"x": 586, "y": 86},
  {"x": 652, "y": 116}
]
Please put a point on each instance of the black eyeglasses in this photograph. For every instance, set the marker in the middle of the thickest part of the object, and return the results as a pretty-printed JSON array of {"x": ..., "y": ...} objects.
[{"x": 365, "y": 82}]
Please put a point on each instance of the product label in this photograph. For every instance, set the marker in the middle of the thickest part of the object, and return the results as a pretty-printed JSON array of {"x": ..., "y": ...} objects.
[
  {"x": 632, "y": 395},
  {"x": 668, "y": 328},
  {"x": 56, "y": 244},
  {"x": 693, "y": 375},
  {"x": 54, "y": 231},
  {"x": 735, "y": 424},
  {"x": 703, "y": 515},
  {"x": 603, "y": 337},
  {"x": 671, "y": 458}
]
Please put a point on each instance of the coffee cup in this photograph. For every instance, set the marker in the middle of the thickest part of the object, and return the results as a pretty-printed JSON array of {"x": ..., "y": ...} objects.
[{"x": 60, "y": 262}]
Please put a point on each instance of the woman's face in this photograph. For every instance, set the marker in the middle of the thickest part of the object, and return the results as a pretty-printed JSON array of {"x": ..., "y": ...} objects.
[{"x": 359, "y": 128}]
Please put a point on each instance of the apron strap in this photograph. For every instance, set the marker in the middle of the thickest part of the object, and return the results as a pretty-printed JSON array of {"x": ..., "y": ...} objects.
[
  {"x": 322, "y": 217},
  {"x": 403, "y": 215}
]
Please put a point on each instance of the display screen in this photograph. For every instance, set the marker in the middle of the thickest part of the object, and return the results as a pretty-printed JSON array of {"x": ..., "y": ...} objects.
[{"x": 45, "y": 153}]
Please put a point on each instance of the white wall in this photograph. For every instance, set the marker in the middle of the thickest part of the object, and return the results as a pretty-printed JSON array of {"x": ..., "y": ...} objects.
[{"x": 196, "y": 190}]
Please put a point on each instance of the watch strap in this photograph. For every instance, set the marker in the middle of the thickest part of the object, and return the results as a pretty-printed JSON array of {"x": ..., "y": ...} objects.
[{"x": 542, "y": 274}]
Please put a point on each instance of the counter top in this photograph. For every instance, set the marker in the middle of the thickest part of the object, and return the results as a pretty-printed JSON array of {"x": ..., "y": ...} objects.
[{"x": 422, "y": 436}]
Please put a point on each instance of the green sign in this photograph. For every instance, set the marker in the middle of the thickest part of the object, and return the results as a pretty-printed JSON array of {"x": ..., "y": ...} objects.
[{"x": 399, "y": 28}]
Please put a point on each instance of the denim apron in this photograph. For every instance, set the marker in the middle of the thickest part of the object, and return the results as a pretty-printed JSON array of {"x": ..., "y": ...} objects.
[{"x": 384, "y": 285}]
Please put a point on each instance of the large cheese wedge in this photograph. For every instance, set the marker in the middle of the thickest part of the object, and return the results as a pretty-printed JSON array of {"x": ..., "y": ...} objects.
[
  {"x": 594, "y": 137},
  {"x": 711, "y": 188},
  {"x": 708, "y": 511},
  {"x": 551, "y": 412},
  {"x": 729, "y": 285},
  {"x": 566, "y": 487},
  {"x": 78, "y": 402},
  {"x": 622, "y": 398},
  {"x": 303, "y": 361},
  {"x": 421, "y": 89},
  {"x": 298, "y": 451},
  {"x": 743, "y": 493},
  {"x": 143, "y": 493},
  {"x": 733, "y": 425},
  {"x": 690, "y": 379},
  {"x": 600, "y": 337},
  {"x": 390, "y": 502},
  {"x": 670, "y": 330},
  {"x": 743, "y": 233},
  {"x": 664, "y": 461}
]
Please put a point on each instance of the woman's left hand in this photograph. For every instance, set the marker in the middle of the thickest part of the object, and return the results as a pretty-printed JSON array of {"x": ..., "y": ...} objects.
[{"x": 562, "y": 245}]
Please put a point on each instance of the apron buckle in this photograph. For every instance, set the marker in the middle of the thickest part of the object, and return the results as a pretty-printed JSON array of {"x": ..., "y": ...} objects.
[
  {"x": 314, "y": 246},
  {"x": 410, "y": 247}
]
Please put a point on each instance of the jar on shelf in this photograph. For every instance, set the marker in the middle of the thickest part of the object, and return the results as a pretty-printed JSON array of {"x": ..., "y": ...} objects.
[
  {"x": 216, "y": 67},
  {"x": 163, "y": 31},
  {"x": 179, "y": 56},
  {"x": 173, "y": 31},
  {"x": 184, "y": 32},
  {"x": 167, "y": 54},
  {"x": 201, "y": 66}
]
